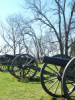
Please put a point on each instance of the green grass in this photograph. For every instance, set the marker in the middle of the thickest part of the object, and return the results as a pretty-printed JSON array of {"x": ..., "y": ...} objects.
[{"x": 14, "y": 89}]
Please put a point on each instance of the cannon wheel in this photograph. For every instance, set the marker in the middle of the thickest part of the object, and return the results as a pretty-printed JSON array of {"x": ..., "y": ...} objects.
[
  {"x": 68, "y": 80},
  {"x": 51, "y": 83},
  {"x": 9, "y": 66},
  {"x": 11, "y": 57},
  {"x": 3, "y": 68},
  {"x": 22, "y": 68},
  {"x": 3, "y": 64}
]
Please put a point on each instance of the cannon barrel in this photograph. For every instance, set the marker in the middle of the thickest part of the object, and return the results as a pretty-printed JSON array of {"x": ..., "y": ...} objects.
[
  {"x": 55, "y": 61},
  {"x": 10, "y": 56},
  {"x": 3, "y": 58},
  {"x": 21, "y": 57}
]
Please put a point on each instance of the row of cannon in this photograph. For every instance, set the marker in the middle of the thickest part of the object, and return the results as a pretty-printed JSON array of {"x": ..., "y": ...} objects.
[{"x": 57, "y": 74}]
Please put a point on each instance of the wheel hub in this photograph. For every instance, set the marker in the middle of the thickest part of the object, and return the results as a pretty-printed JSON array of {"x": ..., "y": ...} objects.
[
  {"x": 59, "y": 76},
  {"x": 24, "y": 67}
]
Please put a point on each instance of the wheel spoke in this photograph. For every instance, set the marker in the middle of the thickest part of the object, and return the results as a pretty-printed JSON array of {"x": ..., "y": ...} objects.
[
  {"x": 71, "y": 75},
  {"x": 52, "y": 69},
  {"x": 70, "y": 83},
  {"x": 52, "y": 84},
  {"x": 50, "y": 80},
  {"x": 19, "y": 72},
  {"x": 56, "y": 67},
  {"x": 16, "y": 70},
  {"x": 23, "y": 73},
  {"x": 30, "y": 61},
  {"x": 57, "y": 87},
  {"x": 62, "y": 93}
]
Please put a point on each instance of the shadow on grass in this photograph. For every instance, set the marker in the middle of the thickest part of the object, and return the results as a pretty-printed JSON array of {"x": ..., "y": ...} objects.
[
  {"x": 51, "y": 98},
  {"x": 54, "y": 98},
  {"x": 6, "y": 70},
  {"x": 35, "y": 80},
  {"x": 73, "y": 97},
  {"x": 32, "y": 80}
]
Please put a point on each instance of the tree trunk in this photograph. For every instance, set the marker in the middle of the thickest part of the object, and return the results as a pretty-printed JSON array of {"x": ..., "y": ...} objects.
[
  {"x": 66, "y": 43},
  {"x": 61, "y": 48}
]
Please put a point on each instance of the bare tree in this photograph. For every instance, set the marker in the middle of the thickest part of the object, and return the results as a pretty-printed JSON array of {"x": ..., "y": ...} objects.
[
  {"x": 72, "y": 51},
  {"x": 59, "y": 16},
  {"x": 19, "y": 35},
  {"x": 10, "y": 35}
]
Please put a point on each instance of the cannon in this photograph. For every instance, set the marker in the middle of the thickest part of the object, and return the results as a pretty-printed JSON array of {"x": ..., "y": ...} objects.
[
  {"x": 10, "y": 57},
  {"x": 3, "y": 63},
  {"x": 22, "y": 66},
  {"x": 60, "y": 82}
]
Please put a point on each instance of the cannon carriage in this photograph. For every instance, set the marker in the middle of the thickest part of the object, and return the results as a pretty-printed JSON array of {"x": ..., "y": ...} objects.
[{"x": 61, "y": 80}]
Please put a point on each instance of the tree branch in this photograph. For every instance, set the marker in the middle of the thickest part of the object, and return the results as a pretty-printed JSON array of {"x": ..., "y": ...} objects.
[
  {"x": 71, "y": 44},
  {"x": 71, "y": 17}
]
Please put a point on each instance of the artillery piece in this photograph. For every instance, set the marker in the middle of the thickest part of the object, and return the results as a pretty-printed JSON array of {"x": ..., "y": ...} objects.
[
  {"x": 3, "y": 63},
  {"x": 22, "y": 66},
  {"x": 60, "y": 82},
  {"x": 6, "y": 60}
]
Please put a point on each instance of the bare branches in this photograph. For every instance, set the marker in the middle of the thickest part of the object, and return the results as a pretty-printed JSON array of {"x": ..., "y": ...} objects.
[
  {"x": 72, "y": 11},
  {"x": 71, "y": 44},
  {"x": 62, "y": 20}
]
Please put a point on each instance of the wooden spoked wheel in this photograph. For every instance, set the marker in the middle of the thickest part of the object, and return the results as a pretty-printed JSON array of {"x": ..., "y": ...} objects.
[
  {"x": 10, "y": 66},
  {"x": 3, "y": 64},
  {"x": 3, "y": 68},
  {"x": 68, "y": 80},
  {"x": 23, "y": 66}
]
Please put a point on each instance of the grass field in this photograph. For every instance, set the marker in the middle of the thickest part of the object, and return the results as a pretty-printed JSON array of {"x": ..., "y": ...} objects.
[{"x": 14, "y": 89}]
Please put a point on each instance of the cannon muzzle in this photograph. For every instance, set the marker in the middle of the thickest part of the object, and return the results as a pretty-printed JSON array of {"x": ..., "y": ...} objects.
[{"x": 55, "y": 61}]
